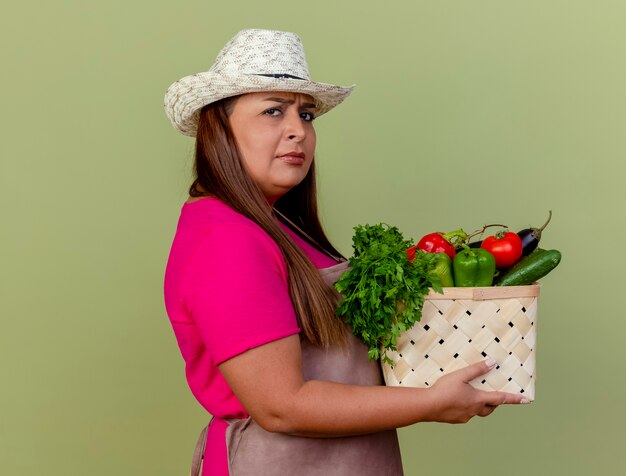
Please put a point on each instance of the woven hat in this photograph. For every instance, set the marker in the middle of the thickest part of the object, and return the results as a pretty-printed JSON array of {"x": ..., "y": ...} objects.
[{"x": 254, "y": 60}]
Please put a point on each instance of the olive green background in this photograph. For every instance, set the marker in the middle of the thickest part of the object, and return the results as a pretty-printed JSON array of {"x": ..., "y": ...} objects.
[{"x": 465, "y": 113}]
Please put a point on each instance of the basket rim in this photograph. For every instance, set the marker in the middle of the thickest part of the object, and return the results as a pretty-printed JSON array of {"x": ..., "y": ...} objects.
[{"x": 484, "y": 293}]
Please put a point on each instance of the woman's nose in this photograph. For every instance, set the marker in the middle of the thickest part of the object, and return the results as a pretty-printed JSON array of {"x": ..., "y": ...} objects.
[{"x": 295, "y": 127}]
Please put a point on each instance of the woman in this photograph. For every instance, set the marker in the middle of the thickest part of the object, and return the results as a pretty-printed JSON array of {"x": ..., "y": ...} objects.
[{"x": 247, "y": 285}]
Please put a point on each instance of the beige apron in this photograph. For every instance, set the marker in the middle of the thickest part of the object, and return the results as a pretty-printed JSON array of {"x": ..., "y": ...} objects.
[{"x": 254, "y": 451}]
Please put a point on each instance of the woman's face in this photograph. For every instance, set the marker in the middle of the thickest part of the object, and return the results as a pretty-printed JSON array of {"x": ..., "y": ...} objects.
[{"x": 275, "y": 135}]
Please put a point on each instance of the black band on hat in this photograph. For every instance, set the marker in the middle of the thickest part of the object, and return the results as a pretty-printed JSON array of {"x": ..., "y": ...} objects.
[{"x": 288, "y": 76}]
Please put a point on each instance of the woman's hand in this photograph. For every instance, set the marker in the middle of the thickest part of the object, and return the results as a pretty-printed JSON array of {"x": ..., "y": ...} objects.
[{"x": 456, "y": 401}]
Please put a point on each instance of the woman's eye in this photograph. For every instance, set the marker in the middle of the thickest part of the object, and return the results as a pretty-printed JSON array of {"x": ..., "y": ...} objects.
[
  {"x": 307, "y": 116},
  {"x": 272, "y": 111}
]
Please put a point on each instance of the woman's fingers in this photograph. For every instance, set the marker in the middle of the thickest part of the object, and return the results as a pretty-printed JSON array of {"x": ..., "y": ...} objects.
[
  {"x": 476, "y": 370},
  {"x": 503, "y": 398},
  {"x": 473, "y": 371},
  {"x": 496, "y": 399}
]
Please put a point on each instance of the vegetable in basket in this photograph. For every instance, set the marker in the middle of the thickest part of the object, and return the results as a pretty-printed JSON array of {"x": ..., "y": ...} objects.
[
  {"x": 383, "y": 292},
  {"x": 505, "y": 246},
  {"x": 440, "y": 242},
  {"x": 531, "y": 236},
  {"x": 443, "y": 270},
  {"x": 531, "y": 268},
  {"x": 474, "y": 267}
]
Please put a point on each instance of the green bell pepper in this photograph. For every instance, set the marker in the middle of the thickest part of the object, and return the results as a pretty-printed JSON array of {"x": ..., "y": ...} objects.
[
  {"x": 442, "y": 270},
  {"x": 474, "y": 267}
]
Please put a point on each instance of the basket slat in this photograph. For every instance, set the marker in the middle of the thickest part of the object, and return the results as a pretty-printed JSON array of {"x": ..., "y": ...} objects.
[
  {"x": 481, "y": 294},
  {"x": 465, "y": 325}
]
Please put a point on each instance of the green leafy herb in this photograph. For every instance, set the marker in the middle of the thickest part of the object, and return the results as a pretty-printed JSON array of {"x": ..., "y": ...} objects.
[{"x": 383, "y": 292}]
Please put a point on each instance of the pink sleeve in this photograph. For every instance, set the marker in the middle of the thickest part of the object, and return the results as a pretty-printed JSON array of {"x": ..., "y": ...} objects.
[{"x": 236, "y": 292}]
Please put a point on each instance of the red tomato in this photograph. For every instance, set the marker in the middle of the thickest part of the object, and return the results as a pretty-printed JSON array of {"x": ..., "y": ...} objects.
[{"x": 505, "y": 247}]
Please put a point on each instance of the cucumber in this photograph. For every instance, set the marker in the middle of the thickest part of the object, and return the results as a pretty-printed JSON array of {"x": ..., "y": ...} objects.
[{"x": 531, "y": 268}]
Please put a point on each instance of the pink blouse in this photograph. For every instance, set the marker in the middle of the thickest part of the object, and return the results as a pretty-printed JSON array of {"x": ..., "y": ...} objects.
[{"x": 225, "y": 292}]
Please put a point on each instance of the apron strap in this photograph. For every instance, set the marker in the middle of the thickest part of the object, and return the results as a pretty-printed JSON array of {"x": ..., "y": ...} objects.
[
  {"x": 198, "y": 453},
  {"x": 339, "y": 259}
]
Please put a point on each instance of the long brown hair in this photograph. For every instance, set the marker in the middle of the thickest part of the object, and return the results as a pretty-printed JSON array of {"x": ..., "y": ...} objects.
[{"x": 219, "y": 172}]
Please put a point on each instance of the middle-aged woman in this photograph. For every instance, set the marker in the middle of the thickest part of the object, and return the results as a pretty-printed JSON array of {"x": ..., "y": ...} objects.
[{"x": 248, "y": 284}]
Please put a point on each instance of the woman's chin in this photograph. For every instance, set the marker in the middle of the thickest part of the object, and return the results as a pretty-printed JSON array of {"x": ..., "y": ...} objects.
[
  {"x": 279, "y": 189},
  {"x": 289, "y": 181}
]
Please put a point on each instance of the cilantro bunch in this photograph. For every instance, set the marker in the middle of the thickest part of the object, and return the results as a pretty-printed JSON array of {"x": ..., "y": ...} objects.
[{"x": 383, "y": 292}]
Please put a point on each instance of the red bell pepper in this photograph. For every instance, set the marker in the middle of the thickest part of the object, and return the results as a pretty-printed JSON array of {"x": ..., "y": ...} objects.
[
  {"x": 411, "y": 252},
  {"x": 440, "y": 242}
]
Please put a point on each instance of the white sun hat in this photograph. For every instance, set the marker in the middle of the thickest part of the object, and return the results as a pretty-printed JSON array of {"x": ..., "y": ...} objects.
[{"x": 254, "y": 60}]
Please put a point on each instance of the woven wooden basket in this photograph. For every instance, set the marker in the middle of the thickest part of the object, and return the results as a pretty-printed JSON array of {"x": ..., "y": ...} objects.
[{"x": 465, "y": 325}]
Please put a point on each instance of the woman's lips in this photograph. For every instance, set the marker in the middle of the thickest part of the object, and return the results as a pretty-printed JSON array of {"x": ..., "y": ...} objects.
[{"x": 295, "y": 158}]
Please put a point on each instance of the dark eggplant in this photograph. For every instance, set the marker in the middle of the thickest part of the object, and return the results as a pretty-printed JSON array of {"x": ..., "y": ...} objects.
[
  {"x": 531, "y": 237},
  {"x": 475, "y": 244}
]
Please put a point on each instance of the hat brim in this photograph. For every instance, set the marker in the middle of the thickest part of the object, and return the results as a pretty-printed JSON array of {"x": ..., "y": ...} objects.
[{"x": 185, "y": 98}]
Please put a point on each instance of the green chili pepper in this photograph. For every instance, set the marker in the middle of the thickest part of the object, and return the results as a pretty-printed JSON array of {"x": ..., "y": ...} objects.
[
  {"x": 442, "y": 269},
  {"x": 474, "y": 267}
]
